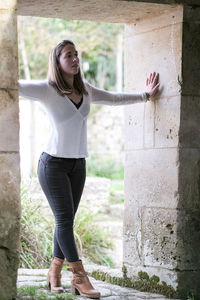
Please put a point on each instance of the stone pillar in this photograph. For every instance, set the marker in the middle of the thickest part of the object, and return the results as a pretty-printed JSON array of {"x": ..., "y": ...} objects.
[
  {"x": 9, "y": 151},
  {"x": 162, "y": 166},
  {"x": 188, "y": 217}
]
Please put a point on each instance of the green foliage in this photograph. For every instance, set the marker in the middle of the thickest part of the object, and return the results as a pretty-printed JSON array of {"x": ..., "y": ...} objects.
[
  {"x": 190, "y": 298},
  {"x": 92, "y": 240},
  {"x": 143, "y": 283},
  {"x": 104, "y": 167},
  {"x": 95, "y": 41},
  {"x": 28, "y": 290},
  {"x": 37, "y": 235},
  {"x": 143, "y": 275},
  {"x": 155, "y": 279},
  {"x": 114, "y": 189}
]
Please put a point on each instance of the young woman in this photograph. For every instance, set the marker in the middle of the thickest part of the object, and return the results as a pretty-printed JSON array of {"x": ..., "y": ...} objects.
[{"x": 61, "y": 169}]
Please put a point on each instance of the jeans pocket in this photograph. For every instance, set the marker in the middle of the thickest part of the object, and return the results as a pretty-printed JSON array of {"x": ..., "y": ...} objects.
[{"x": 83, "y": 162}]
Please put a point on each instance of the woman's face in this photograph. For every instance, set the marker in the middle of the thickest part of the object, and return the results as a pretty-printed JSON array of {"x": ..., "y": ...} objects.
[{"x": 69, "y": 61}]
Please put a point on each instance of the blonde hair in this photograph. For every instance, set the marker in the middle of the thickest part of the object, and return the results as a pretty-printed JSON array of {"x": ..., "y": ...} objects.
[{"x": 55, "y": 77}]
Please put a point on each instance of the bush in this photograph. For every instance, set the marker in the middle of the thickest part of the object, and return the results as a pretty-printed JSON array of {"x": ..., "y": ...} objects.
[
  {"x": 106, "y": 167},
  {"x": 37, "y": 235},
  {"x": 92, "y": 240}
]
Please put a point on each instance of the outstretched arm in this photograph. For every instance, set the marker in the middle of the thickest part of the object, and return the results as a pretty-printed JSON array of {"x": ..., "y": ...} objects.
[
  {"x": 99, "y": 96},
  {"x": 33, "y": 89}
]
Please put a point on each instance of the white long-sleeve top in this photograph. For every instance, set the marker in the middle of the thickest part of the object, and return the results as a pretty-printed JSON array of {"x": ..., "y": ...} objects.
[{"x": 69, "y": 125}]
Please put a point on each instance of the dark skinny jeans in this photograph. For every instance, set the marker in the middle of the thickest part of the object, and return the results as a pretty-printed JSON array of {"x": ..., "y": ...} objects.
[{"x": 62, "y": 181}]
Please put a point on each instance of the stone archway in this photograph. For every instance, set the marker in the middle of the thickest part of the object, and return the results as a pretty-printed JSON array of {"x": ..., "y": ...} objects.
[{"x": 162, "y": 210}]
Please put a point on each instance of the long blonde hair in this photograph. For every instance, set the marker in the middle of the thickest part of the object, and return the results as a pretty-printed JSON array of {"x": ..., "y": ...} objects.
[{"x": 55, "y": 77}]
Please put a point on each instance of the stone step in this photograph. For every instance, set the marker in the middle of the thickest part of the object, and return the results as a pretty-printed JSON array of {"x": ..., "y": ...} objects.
[{"x": 37, "y": 277}]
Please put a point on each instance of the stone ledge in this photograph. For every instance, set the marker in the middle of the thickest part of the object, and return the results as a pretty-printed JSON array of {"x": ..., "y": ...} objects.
[{"x": 108, "y": 291}]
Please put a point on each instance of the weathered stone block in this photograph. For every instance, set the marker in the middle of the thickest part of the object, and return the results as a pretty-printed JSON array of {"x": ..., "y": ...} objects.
[
  {"x": 9, "y": 254},
  {"x": 151, "y": 178},
  {"x": 167, "y": 122},
  {"x": 166, "y": 275},
  {"x": 124, "y": 11},
  {"x": 191, "y": 13},
  {"x": 9, "y": 120},
  {"x": 189, "y": 133},
  {"x": 188, "y": 243},
  {"x": 8, "y": 4},
  {"x": 171, "y": 16},
  {"x": 163, "y": 45},
  {"x": 171, "y": 239},
  {"x": 8, "y": 62},
  {"x": 190, "y": 58},
  {"x": 9, "y": 232},
  {"x": 188, "y": 283},
  {"x": 132, "y": 236},
  {"x": 160, "y": 238},
  {"x": 9, "y": 186},
  {"x": 8, "y": 49},
  {"x": 189, "y": 179},
  {"x": 134, "y": 124},
  {"x": 8, "y": 273},
  {"x": 8, "y": 29},
  {"x": 149, "y": 125}
]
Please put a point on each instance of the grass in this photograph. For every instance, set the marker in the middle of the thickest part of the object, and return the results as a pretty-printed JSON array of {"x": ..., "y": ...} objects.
[
  {"x": 92, "y": 240},
  {"x": 38, "y": 293},
  {"x": 37, "y": 235},
  {"x": 115, "y": 188},
  {"x": 28, "y": 290}
]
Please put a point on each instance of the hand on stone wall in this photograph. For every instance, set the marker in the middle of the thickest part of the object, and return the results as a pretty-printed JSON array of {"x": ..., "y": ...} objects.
[{"x": 153, "y": 85}]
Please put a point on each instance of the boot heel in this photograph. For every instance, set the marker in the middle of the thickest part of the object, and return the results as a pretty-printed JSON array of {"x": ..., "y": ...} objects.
[{"x": 74, "y": 290}]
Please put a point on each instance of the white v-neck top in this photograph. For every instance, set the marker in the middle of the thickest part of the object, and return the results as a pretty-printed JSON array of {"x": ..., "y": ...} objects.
[{"x": 69, "y": 125}]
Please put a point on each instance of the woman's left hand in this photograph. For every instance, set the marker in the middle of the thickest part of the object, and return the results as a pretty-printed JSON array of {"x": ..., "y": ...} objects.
[{"x": 152, "y": 85}]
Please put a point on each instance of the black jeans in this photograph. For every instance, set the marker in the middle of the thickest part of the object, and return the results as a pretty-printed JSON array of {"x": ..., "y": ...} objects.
[{"x": 62, "y": 181}]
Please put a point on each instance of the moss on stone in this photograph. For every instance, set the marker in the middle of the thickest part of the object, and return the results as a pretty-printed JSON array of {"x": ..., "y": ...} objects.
[
  {"x": 143, "y": 275},
  {"x": 144, "y": 283},
  {"x": 155, "y": 278},
  {"x": 124, "y": 271}
]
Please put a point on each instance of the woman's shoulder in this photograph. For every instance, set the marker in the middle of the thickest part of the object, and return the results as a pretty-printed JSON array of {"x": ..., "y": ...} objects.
[
  {"x": 89, "y": 87},
  {"x": 87, "y": 84}
]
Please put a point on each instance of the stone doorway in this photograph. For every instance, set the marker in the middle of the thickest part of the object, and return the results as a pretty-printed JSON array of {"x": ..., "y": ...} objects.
[{"x": 162, "y": 211}]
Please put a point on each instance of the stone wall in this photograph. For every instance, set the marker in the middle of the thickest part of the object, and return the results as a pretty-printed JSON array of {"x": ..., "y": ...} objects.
[
  {"x": 9, "y": 151},
  {"x": 188, "y": 217},
  {"x": 162, "y": 215}
]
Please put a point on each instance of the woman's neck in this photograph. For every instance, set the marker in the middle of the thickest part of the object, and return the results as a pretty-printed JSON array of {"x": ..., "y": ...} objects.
[{"x": 69, "y": 79}]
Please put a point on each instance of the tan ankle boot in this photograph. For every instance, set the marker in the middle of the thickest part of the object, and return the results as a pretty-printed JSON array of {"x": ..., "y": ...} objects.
[
  {"x": 80, "y": 282},
  {"x": 54, "y": 275}
]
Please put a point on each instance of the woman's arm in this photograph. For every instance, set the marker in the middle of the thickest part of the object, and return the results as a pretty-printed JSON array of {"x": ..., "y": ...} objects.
[
  {"x": 33, "y": 89},
  {"x": 99, "y": 96}
]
